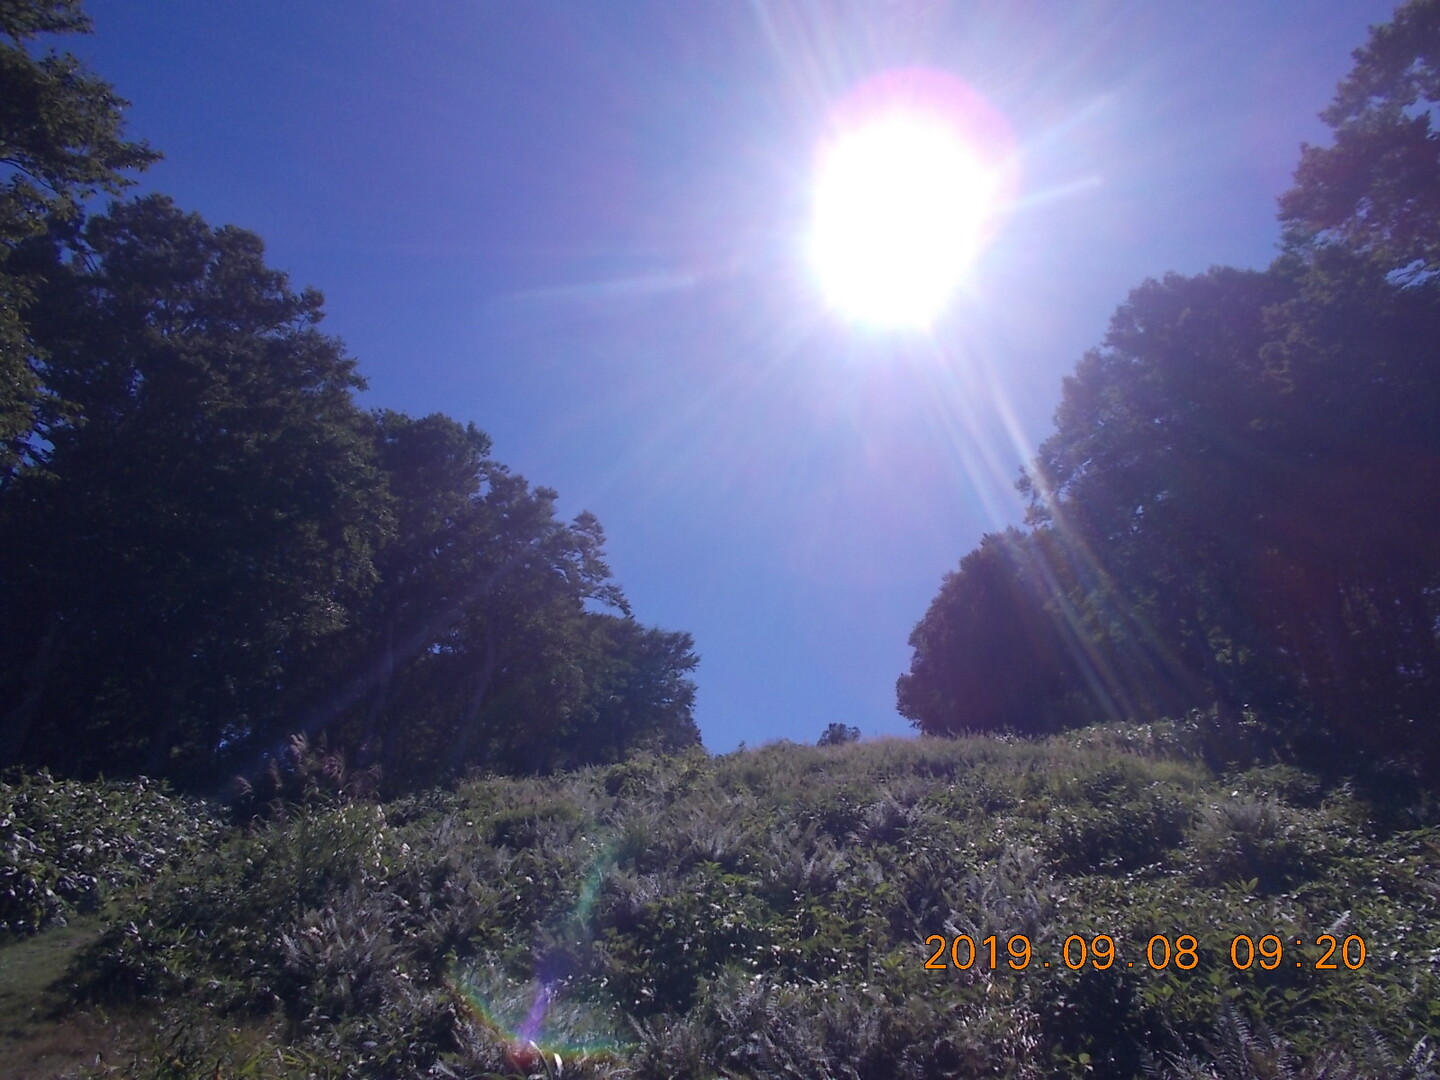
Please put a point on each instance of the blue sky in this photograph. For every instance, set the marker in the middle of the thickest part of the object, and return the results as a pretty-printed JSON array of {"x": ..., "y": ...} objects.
[{"x": 581, "y": 226}]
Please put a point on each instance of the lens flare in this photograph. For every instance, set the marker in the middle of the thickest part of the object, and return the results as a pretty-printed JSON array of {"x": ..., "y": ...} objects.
[
  {"x": 546, "y": 1017},
  {"x": 532, "y": 1019}
]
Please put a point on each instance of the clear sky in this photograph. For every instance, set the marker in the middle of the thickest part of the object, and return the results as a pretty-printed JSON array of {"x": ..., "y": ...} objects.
[{"x": 583, "y": 225}]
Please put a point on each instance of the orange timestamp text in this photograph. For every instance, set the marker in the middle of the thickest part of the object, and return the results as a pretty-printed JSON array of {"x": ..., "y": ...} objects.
[{"x": 1328, "y": 953}]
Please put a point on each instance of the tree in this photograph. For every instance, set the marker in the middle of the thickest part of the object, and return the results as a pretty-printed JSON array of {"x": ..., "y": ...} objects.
[
  {"x": 638, "y": 692},
  {"x": 1351, "y": 577},
  {"x": 218, "y": 550},
  {"x": 1377, "y": 188},
  {"x": 60, "y": 142},
  {"x": 481, "y": 642},
  {"x": 204, "y": 518},
  {"x": 1237, "y": 509},
  {"x": 496, "y": 669},
  {"x": 1159, "y": 465},
  {"x": 426, "y": 577},
  {"x": 1238, "y": 506},
  {"x": 1248, "y": 478},
  {"x": 994, "y": 651},
  {"x": 837, "y": 734},
  {"x": 204, "y": 544}
]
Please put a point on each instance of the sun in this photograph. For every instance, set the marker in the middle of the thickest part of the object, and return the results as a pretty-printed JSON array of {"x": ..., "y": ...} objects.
[
  {"x": 905, "y": 195},
  {"x": 899, "y": 207}
]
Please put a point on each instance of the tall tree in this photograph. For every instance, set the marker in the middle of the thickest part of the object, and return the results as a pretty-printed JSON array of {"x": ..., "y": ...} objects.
[
  {"x": 1238, "y": 507},
  {"x": 206, "y": 516},
  {"x": 995, "y": 651},
  {"x": 490, "y": 636},
  {"x": 1240, "y": 501},
  {"x": 435, "y": 470},
  {"x": 218, "y": 549},
  {"x": 1158, "y": 467},
  {"x": 1247, "y": 478},
  {"x": 1353, "y": 575},
  {"x": 60, "y": 142},
  {"x": 638, "y": 692},
  {"x": 1377, "y": 187}
]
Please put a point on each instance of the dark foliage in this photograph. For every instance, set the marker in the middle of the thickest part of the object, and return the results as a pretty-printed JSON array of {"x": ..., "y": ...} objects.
[
  {"x": 837, "y": 734},
  {"x": 216, "y": 548},
  {"x": 211, "y": 556},
  {"x": 205, "y": 516},
  {"x": 770, "y": 914},
  {"x": 1377, "y": 187},
  {"x": 992, "y": 654},
  {"x": 60, "y": 141},
  {"x": 1238, "y": 506}
]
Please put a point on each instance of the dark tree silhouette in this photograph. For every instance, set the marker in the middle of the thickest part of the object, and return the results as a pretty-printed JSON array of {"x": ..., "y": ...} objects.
[
  {"x": 1237, "y": 508},
  {"x": 837, "y": 734},
  {"x": 203, "y": 518},
  {"x": 1239, "y": 504},
  {"x": 215, "y": 549},
  {"x": 1377, "y": 187},
  {"x": 994, "y": 651},
  {"x": 60, "y": 142}
]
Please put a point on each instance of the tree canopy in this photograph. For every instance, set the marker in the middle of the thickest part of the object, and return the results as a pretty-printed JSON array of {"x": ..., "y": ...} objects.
[
  {"x": 1377, "y": 187},
  {"x": 215, "y": 548},
  {"x": 837, "y": 734},
  {"x": 208, "y": 549},
  {"x": 204, "y": 513},
  {"x": 61, "y": 141},
  {"x": 1238, "y": 505}
]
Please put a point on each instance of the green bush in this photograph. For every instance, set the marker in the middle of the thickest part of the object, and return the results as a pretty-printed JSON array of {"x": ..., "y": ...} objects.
[
  {"x": 66, "y": 846},
  {"x": 769, "y": 913}
]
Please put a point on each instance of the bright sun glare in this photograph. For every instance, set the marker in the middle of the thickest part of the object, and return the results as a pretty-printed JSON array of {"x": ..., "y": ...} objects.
[{"x": 903, "y": 200}]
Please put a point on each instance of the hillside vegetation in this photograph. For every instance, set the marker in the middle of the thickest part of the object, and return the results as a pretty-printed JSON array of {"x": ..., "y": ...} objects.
[{"x": 769, "y": 913}]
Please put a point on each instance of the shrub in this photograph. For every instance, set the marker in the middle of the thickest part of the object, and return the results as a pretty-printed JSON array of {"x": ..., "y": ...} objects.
[
  {"x": 65, "y": 845},
  {"x": 838, "y": 735}
]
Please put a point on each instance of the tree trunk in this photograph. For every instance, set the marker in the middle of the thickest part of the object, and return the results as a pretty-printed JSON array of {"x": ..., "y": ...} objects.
[{"x": 21, "y": 720}]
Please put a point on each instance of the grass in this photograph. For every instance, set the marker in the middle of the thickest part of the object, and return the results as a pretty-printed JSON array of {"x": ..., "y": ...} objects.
[
  {"x": 32, "y": 999},
  {"x": 770, "y": 913}
]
